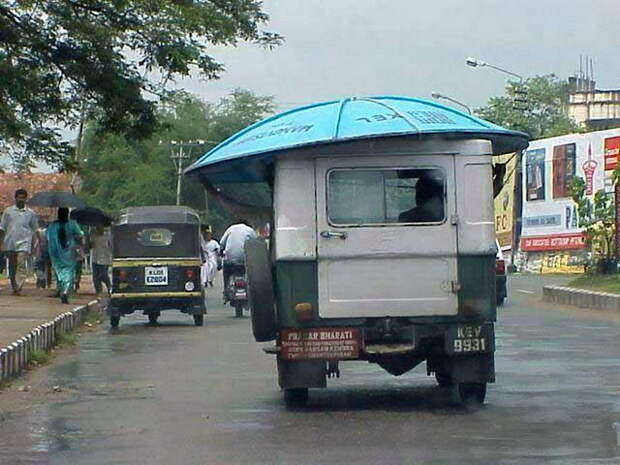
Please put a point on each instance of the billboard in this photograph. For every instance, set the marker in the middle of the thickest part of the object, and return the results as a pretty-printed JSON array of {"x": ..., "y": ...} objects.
[
  {"x": 550, "y": 219},
  {"x": 504, "y": 203}
]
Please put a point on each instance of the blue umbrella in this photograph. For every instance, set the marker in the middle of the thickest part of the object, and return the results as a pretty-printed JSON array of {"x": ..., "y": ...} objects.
[{"x": 351, "y": 119}]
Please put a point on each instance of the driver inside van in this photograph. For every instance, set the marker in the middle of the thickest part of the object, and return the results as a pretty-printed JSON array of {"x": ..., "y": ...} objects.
[{"x": 429, "y": 203}]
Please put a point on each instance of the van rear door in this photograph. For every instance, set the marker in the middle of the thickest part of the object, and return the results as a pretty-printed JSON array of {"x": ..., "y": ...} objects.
[{"x": 387, "y": 236}]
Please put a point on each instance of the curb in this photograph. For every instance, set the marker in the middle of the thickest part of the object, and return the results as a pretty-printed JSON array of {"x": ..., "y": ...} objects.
[
  {"x": 14, "y": 357},
  {"x": 581, "y": 298}
]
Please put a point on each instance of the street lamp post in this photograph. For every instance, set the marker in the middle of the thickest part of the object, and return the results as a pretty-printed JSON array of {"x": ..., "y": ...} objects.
[
  {"x": 437, "y": 95},
  {"x": 517, "y": 192}
]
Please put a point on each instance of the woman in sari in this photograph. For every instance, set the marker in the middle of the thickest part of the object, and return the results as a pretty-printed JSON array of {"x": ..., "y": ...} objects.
[{"x": 63, "y": 237}]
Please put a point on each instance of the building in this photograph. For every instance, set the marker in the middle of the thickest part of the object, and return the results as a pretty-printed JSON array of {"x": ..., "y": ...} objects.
[
  {"x": 551, "y": 240},
  {"x": 33, "y": 183},
  {"x": 592, "y": 108}
]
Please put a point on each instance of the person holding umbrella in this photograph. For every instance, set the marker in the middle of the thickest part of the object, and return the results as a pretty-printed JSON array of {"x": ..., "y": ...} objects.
[
  {"x": 63, "y": 237},
  {"x": 18, "y": 226}
]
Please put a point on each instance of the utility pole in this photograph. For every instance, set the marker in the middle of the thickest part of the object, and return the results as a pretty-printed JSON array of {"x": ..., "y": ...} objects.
[{"x": 181, "y": 151}]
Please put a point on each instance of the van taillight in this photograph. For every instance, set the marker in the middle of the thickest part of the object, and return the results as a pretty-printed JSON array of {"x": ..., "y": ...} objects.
[
  {"x": 123, "y": 275},
  {"x": 500, "y": 266},
  {"x": 189, "y": 274}
]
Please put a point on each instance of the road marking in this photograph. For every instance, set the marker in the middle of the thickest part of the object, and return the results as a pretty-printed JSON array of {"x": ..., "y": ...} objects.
[{"x": 525, "y": 292}]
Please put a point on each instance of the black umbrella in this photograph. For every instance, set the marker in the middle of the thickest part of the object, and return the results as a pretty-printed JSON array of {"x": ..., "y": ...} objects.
[
  {"x": 90, "y": 216},
  {"x": 56, "y": 199}
]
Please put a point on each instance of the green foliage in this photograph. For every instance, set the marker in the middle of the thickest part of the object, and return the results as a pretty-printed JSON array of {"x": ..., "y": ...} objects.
[
  {"x": 39, "y": 357},
  {"x": 597, "y": 218},
  {"x": 543, "y": 115},
  {"x": 60, "y": 58},
  {"x": 119, "y": 172}
]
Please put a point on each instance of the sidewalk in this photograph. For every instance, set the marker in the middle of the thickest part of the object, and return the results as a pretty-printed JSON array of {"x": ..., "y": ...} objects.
[{"x": 21, "y": 314}]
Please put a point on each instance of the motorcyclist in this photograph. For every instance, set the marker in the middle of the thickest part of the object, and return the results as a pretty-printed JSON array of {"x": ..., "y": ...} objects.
[{"x": 231, "y": 247}]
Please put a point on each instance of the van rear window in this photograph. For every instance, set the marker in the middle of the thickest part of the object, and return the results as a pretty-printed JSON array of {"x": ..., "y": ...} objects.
[{"x": 366, "y": 197}]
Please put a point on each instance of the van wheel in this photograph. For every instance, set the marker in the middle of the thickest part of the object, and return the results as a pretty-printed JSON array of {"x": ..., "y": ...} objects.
[
  {"x": 444, "y": 379},
  {"x": 238, "y": 311},
  {"x": 296, "y": 397},
  {"x": 260, "y": 290},
  {"x": 472, "y": 394},
  {"x": 500, "y": 301},
  {"x": 153, "y": 318},
  {"x": 199, "y": 320},
  {"x": 114, "y": 321}
]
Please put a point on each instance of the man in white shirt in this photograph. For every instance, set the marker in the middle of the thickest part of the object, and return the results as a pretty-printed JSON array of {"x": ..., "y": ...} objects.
[
  {"x": 18, "y": 226},
  {"x": 231, "y": 245}
]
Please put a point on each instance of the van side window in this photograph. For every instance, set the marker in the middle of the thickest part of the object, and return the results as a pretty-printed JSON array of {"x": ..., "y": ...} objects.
[{"x": 358, "y": 197}]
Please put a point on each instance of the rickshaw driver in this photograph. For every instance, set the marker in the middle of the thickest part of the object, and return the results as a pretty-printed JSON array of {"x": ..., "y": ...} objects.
[{"x": 232, "y": 249}]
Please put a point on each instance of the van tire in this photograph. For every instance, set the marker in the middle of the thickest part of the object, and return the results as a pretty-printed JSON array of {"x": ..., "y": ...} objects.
[
  {"x": 261, "y": 297},
  {"x": 472, "y": 395},
  {"x": 296, "y": 397}
]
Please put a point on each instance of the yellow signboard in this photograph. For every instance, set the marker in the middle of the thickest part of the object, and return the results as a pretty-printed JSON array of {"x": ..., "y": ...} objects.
[{"x": 504, "y": 202}]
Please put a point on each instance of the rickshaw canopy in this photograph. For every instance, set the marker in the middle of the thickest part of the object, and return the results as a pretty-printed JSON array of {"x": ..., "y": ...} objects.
[{"x": 345, "y": 120}]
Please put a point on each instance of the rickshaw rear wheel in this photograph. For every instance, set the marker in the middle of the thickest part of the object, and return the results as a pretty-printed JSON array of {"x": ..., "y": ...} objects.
[
  {"x": 260, "y": 290},
  {"x": 114, "y": 321},
  {"x": 199, "y": 320},
  {"x": 296, "y": 397},
  {"x": 472, "y": 394},
  {"x": 153, "y": 318}
]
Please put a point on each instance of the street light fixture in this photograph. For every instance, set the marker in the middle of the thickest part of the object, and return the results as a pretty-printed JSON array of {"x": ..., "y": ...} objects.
[
  {"x": 437, "y": 96},
  {"x": 475, "y": 62}
]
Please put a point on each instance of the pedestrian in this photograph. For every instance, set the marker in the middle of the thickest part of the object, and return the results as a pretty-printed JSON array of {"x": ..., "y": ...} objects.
[
  {"x": 63, "y": 238},
  {"x": 211, "y": 250},
  {"x": 101, "y": 258},
  {"x": 18, "y": 227}
]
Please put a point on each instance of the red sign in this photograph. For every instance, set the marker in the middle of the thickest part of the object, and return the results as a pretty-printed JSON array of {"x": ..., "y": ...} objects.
[
  {"x": 320, "y": 344},
  {"x": 570, "y": 241},
  {"x": 612, "y": 153},
  {"x": 618, "y": 220},
  {"x": 589, "y": 167}
]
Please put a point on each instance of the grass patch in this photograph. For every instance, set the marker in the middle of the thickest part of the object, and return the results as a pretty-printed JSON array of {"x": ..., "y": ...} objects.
[
  {"x": 39, "y": 357},
  {"x": 92, "y": 317},
  {"x": 66, "y": 338},
  {"x": 600, "y": 283}
]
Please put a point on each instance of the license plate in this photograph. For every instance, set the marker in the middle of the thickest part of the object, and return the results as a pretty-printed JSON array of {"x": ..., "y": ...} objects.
[
  {"x": 320, "y": 344},
  {"x": 156, "y": 275},
  {"x": 469, "y": 339}
]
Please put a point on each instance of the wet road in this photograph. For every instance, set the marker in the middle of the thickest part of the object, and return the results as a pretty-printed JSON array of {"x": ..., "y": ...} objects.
[{"x": 177, "y": 394}]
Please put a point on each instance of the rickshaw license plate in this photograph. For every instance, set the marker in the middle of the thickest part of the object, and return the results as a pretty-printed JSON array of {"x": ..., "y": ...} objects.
[
  {"x": 320, "y": 344},
  {"x": 468, "y": 339},
  {"x": 156, "y": 275}
]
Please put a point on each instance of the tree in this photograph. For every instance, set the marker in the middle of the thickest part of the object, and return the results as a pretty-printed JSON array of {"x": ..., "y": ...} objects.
[
  {"x": 60, "y": 58},
  {"x": 120, "y": 172},
  {"x": 596, "y": 218},
  {"x": 543, "y": 114}
]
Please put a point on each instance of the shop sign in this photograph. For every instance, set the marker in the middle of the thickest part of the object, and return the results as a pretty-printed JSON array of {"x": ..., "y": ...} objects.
[
  {"x": 569, "y": 241},
  {"x": 320, "y": 344}
]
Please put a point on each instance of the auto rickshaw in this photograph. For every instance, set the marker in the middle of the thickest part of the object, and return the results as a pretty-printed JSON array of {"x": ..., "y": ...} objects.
[
  {"x": 383, "y": 246},
  {"x": 156, "y": 263}
]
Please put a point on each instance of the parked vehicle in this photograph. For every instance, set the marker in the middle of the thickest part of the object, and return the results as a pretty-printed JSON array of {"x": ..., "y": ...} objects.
[
  {"x": 383, "y": 246},
  {"x": 156, "y": 263},
  {"x": 501, "y": 292}
]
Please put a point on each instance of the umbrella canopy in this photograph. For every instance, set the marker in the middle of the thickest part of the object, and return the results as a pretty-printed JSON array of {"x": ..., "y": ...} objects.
[
  {"x": 56, "y": 199},
  {"x": 352, "y": 119},
  {"x": 90, "y": 216}
]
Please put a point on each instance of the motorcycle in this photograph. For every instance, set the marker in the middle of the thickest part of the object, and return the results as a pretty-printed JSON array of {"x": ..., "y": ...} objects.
[{"x": 236, "y": 292}]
